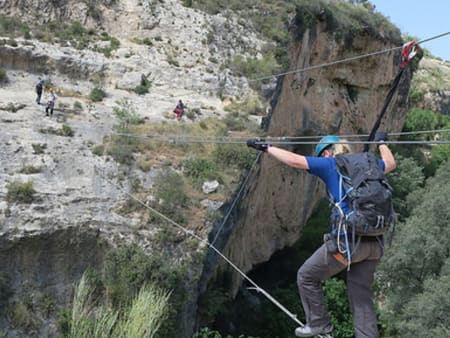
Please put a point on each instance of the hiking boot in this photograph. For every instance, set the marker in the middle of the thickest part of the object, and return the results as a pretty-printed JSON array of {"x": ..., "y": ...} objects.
[{"x": 308, "y": 331}]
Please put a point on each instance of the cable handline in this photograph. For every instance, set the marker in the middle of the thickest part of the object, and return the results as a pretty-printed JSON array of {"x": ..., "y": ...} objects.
[
  {"x": 349, "y": 59},
  {"x": 228, "y": 139},
  {"x": 433, "y": 37},
  {"x": 323, "y": 65},
  {"x": 272, "y": 140},
  {"x": 200, "y": 239},
  {"x": 244, "y": 183},
  {"x": 312, "y": 139}
]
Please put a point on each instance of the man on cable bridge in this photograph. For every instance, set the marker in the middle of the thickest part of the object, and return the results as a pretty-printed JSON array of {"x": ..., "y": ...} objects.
[{"x": 362, "y": 211}]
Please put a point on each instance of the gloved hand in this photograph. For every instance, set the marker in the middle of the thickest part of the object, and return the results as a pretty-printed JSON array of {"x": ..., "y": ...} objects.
[
  {"x": 257, "y": 144},
  {"x": 381, "y": 136}
]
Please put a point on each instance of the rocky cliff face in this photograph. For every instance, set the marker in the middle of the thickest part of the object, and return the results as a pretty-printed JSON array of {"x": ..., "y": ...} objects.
[
  {"x": 39, "y": 272},
  {"x": 337, "y": 99},
  {"x": 88, "y": 12},
  {"x": 431, "y": 86},
  {"x": 72, "y": 221}
]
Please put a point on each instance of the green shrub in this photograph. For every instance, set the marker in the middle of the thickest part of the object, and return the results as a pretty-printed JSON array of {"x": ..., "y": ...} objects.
[
  {"x": 29, "y": 169},
  {"x": 170, "y": 194},
  {"x": 143, "y": 317},
  {"x": 126, "y": 114},
  {"x": 339, "y": 308},
  {"x": 254, "y": 67},
  {"x": 251, "y": 105},
  {"x": 39, "y": 148},
  {"x": 421, "y": 119},
  {"x": 21, "y": 316},
  {"x": 141, "y": 90},
  {"x": 440, "y": 153},
  {"x": 200, "y": 170},
  {"x": 236, "y": 121},
  {"x": 12, "y": 27},
  {"x": 122, "y": 150},
  {"x": 130, "y": 205},
  {"x": 113, "y": 45},
  {"x": 98, "y": 150},
  {"x": 20, "y": 192},
  {"x": 234, "y": 154},
  {"x": 66, "y": 131},
  {"x": 212, "y": 304},
  {"x": 14, "y": 108},
  {"x": 97, "y": 94},
  {"x": 415, "y": 95},
  {"x": 191, "y": 115},
  {"x": 144, "y": 86},
  {"x": 64, "y": 322},
  {"x": 3, "y": 75},
  {"x": 128, "y": 268},
  {"x": 77, "y": 106}
]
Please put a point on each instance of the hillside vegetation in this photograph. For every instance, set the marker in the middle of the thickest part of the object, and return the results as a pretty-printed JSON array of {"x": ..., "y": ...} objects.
[{"x": 114, "y": 131}]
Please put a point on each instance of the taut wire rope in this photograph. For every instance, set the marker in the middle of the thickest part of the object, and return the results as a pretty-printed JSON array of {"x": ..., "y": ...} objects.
[
  {"x": 176, "y": 139},
  {"x": 244, "y": 183},
  {"x": 349, "y": 59},
  {"x": 328, "y": 64}
]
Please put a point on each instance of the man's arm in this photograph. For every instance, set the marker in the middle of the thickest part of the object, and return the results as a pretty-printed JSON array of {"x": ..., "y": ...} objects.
[
  {"x": 289, "y": 158},
  {"x": 385, "y": 152},
  {"x": 387, "y": 157}
]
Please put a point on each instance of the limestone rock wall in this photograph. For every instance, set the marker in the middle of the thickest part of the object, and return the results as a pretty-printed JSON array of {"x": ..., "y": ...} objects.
[
  {"x": 40, "y": 11},
  {"x": 38, "y": 272},
  {"x": 75, "y": 209}
]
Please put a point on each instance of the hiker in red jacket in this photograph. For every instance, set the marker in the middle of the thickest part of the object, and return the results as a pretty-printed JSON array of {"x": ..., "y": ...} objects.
[{"x": 179, "y": 110}]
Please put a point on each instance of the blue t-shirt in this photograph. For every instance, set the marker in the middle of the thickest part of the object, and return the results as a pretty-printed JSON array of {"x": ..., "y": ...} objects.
[{"x": 325, "y": 169}]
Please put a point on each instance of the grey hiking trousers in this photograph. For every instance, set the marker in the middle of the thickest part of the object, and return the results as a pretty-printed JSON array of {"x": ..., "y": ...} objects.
[{"x": 322, "y": 265}]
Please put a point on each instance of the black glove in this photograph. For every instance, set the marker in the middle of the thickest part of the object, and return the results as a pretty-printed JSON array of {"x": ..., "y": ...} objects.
[
  {"x": 380, "y": 137},
  {"x": 257, "y": 144}
]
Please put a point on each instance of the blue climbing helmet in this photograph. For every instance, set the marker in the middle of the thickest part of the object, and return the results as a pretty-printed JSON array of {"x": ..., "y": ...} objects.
[
  {"x": 41, "y": 81},
  {"x": 324, "y": 143}
]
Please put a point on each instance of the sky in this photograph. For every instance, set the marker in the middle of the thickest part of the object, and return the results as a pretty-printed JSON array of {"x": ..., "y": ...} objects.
[{"x": 422, "y": 19}]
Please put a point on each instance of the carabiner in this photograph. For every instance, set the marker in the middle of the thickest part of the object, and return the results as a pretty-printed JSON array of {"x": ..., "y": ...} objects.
[{"x": 409, "y": 50}]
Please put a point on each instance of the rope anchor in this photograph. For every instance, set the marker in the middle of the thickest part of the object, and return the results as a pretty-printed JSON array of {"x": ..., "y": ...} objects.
[{"x": 409, "y": 50}]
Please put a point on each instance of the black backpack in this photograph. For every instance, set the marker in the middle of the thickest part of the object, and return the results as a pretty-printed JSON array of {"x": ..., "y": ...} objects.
[{"x": 368, "y": 192}]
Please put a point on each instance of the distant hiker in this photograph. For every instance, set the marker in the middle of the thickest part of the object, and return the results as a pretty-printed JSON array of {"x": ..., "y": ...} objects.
[
  {"x": 179, "y": 110},
  {"x": 50, "y": 102},
  {"x": 39, "y": 89},
  {"x": 325, "y": 262}
]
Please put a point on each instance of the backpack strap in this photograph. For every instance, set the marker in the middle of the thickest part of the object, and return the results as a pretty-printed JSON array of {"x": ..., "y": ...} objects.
[{"x": 340, "y": 229}]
